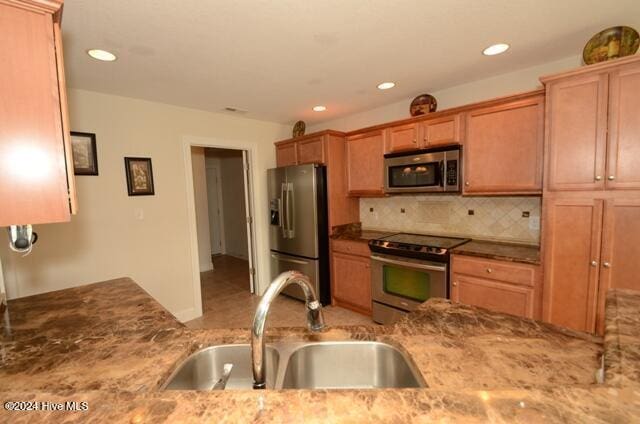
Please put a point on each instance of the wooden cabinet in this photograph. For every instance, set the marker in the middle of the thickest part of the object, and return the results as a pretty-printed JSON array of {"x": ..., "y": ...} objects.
[
  {"x": 500, "y": 286},
  {"x": 326, "y": 148},
  {"x": 311, "y": 150},
  {"x": 36, "y": 176},
  {"x": 593, "y": 127},
  {"x": 623, "y": 150},
  {"x": 572, "y": 234},
  {"x": 365, "y": 163},
  {"x": 503, "y": 148},
  {"x": 441, "y": 131},
  {"x": 591, "y": 245},
  {"x": 351, "y": 277},
  {"x": 402, "y": 137},
  {"x": 286, "y": 154}
]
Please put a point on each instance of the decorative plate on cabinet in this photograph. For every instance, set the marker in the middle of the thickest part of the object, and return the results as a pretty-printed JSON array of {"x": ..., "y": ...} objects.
[
  {"x": 611, "y": 43},
  {"x": 423, "y": 104},
  {"x": 298, "y": 129}
]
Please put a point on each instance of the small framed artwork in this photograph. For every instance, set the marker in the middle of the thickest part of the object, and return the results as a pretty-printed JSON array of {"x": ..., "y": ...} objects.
[
  {"x": 139, "y": 176},
  {"x": 85, "y": 154}
]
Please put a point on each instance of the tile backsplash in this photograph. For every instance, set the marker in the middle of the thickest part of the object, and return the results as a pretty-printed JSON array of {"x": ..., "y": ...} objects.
[{"x": 513, "y": 219}]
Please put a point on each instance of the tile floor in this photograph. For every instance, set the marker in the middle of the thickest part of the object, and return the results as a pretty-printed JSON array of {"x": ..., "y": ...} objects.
[{"x": 227, "y": 302}]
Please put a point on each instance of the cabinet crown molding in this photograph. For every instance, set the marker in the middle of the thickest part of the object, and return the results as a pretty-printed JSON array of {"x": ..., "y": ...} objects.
[{"x": 597, "y": 67}]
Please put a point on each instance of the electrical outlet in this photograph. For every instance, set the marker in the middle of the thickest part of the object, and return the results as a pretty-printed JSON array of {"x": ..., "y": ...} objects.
[
  {"x": 139, "y": 214},
  {"x": 471, "y": 212},
  {"x": 370, "y": 209},
  {"x": 525, "y": 214},
  {"x": 402, "y": 210}
]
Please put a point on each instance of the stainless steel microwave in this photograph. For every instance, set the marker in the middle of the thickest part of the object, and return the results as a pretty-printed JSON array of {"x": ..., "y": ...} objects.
[{"x": 436, "y": 170}]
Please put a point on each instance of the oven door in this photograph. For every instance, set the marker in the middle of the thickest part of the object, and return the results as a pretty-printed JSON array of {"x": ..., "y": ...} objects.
[
  {"x": 415, "y": 174},
  {"x": 405, "y": 283}
]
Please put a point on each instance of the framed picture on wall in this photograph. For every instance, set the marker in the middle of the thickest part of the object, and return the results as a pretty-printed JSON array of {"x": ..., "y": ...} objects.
[
  {"x": 139, "y": 176},
  {"x": 85, "y": 154}
]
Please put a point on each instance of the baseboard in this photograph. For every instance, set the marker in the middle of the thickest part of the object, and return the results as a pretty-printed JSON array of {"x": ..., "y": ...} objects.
[
  {"x": 206, "y": 267},
  {"x": 186, "y": 315}
]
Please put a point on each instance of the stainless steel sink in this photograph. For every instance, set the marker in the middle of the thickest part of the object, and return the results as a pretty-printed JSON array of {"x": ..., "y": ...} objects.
[
  {"x": 203, "y": 369},
  {"x": 353, "y": 365},
  {"x": 301, "y": 365}
]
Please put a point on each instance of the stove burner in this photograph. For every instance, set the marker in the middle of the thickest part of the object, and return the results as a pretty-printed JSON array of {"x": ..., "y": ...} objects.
[{"x": 417, "y": 246}]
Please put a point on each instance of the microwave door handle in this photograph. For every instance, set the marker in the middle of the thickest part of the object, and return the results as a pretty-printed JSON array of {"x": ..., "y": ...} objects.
[
  {"x": 442, "y": 268},
  {"x": 283, "y": 210},
  {"x": 442, "y": 174}
]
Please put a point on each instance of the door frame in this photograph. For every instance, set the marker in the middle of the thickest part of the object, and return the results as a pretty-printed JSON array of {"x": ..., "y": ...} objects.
[
  {"x": 261, "y": 267},
  {"x": 220, "y": 229}
]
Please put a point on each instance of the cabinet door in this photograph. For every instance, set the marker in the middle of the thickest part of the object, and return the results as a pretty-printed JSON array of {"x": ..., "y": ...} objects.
[
  {"x": 352, "y": 282},
  {"x": 402, "y": 137},
  {"x": 365, "y": 164},
  {"x": 311, "y": 150},
  {"x": 440, "y": 131},
  {"x": 576, "y": 133},
  {"x": 620, "y": 266},
  {"x": 623, "y": 155},
  {"x": 493, "y": 295},
  {"x": 503, "y": 148},
  {"x": 571, "y": 245},
  {"x": 286, "y": 154},
  {"x": 33, "y": 173}
]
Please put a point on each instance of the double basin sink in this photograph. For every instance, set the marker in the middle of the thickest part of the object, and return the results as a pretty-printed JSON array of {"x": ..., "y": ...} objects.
[{"x": 301, "y": 365}]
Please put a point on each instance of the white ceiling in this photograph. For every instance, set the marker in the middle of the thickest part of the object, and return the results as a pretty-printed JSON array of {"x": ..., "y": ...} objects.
[{"x": 278, "y": 58}]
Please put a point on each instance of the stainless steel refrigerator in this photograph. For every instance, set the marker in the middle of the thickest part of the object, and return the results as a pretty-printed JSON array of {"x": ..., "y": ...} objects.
[{"x": 298, "y": 238}]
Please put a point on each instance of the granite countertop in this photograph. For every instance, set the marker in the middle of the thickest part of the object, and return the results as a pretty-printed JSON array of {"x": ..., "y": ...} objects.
[
  {"x": 523, "y": 253},
  {"x": 111, "y": 345},
  {"x": 354, "y": 232}
]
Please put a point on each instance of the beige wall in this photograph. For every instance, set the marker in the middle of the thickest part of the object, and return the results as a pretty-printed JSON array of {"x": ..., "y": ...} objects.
[
  {"x": 106, "y": 240},
  {"x": 202, "y": 207},
  {"x": 473, "y": 91}
]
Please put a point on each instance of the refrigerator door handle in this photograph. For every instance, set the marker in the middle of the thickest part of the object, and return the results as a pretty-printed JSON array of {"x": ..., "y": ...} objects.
[
  {"x": 293, "y": 261},
  {"x": 283, "y": 210},
  {"x": 292, "y": 220}
]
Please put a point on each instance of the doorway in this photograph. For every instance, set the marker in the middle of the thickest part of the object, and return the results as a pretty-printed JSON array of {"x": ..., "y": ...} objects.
[{"x": 220, "y": 206}]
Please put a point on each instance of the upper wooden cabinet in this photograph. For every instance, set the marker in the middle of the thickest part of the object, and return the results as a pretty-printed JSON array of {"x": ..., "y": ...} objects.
[
  {"x": 402, "y": 137},
  {"x": 286, "y": 153},
  {"x": 503, "y": 148},
  {"x": 440, "y": 131},
  {"x": 36, "y": 175},
  {"x": 365, "y": 163},
  {"x": 326, "y": 148},
  {"x": 593, "y": 127}
]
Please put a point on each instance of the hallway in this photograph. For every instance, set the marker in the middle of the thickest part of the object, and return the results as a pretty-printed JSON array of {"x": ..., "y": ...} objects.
[{"x": 227, "y": 302}]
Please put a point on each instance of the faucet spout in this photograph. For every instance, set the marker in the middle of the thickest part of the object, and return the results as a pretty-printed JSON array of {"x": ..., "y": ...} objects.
[{"x": 315, "y": 320}]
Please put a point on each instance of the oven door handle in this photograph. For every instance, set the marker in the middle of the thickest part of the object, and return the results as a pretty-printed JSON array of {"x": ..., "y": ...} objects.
[{"x": 442, "y": 268}]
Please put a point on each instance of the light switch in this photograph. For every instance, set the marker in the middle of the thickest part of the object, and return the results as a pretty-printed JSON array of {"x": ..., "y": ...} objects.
[
  {"x": 139, "y": 214},
  {"x": 534, "y": 222}
]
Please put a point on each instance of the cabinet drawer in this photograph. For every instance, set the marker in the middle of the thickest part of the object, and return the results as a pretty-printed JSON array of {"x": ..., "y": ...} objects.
[
  {"x": 351, "y": 247},
  {"x": 509, "y": 272},
  {"x": 493, "y": 295}
]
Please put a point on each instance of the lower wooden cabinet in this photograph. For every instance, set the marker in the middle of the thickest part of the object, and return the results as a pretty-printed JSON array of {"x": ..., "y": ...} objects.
[
  {"x": 351, "y": 280},
  {"x": 591, "y": 245},
  {"x": 499, "y": 286}
]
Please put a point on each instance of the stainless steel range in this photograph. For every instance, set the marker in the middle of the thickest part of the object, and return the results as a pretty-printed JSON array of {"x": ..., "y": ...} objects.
[{"x": 406, "y": 270}]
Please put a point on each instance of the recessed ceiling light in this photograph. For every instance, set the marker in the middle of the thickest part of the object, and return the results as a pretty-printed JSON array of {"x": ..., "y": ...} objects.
[
  {"x": 102, "y": 55},
  {"x": 386, "y": 85},
  {"x": 495, "y": 49},
  {"x": 319, "y": 108}
]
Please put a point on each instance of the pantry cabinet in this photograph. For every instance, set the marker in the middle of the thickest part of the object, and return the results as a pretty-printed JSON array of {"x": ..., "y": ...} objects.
[
  {"x": 36, "y": 176},
  {"x": 503, "y": 148},
  {"x": 500, "y": 286},
  {"x": 591, "y": 246},
  {"x": 593, "y": 128},
  {"x": 365, "y": 163},
  {"x": 351, "y": 276}
]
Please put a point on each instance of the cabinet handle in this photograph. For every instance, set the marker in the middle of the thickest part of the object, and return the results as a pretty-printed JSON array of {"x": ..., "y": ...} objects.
[
  {"x": 455, "y": 283},
  {"x": 606, "y": 264},
  {"x": 611, "y": 177},
  {"x": 466, "y": 183},
  {"x": 415, "y": 141},
  {"x": 489, "y": 270},
  {"x": 594, "y": 263},
  {"x": 598, "y": 177}
]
